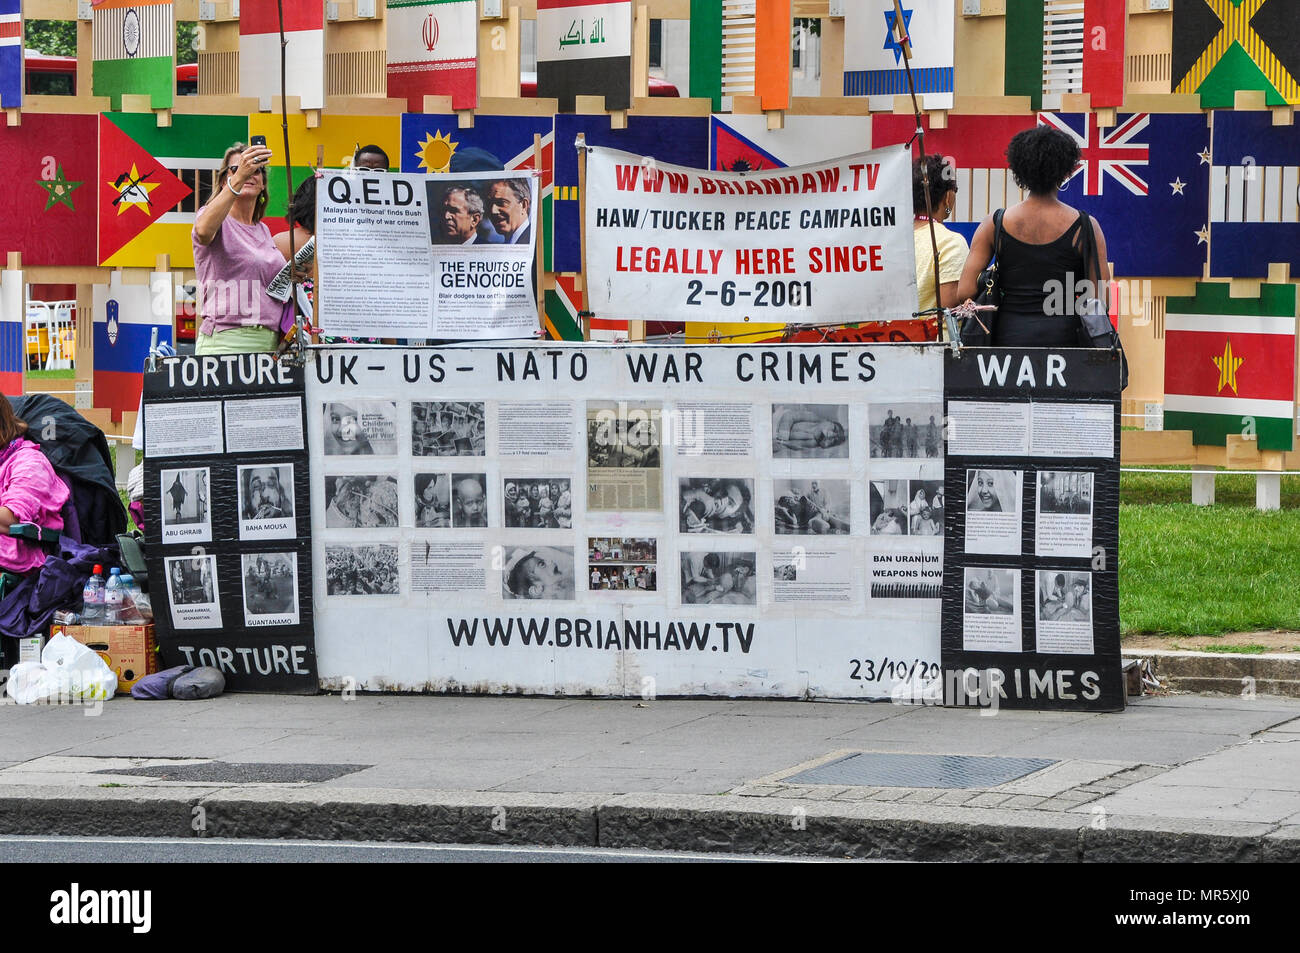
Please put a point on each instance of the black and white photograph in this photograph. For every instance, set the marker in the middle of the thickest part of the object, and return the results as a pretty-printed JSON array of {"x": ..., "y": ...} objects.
[
  {"x": 360, "y": 501},
  {"x": 186, "y": 506},
  {"x": 194, "y": 594},
  {"x": 1065, "y": 492},
  {"x": 925, "y": 507},
  {"x": 469, "y": 500},
  {"x": 715, "y": 505},
  {"x": 270, "y": 589},
  {"x": 991, "y": 610},
  {"x": 361, "y": 571},
  {"x": 710, "y": 578},
  {"x": 458, "y": 212},
  {"x": 1063, "y": 519},
  {"x": 538, "y": 502},
  {"x": 811, "y": 507},
  {"x": 433, "y": 500},
  {"x": 787, "y": 573},
  {"x": 626, "y": 564},
  {"x": 991, "y": 591},
  {"x": 810, "y": 431},
  {"x": 624, "y": 434},
  {"x": 909, "y": 431},
  {"x": 266, "y": 501},
  {"x": 448, "y": 428},
  {"x": 993, "y": 491},
  {"x": 888, "y": 506},
  {"x": 366, "y": 428},
  {"x": 1064, "y": 612},
  {"x": 539, "y": 572}
]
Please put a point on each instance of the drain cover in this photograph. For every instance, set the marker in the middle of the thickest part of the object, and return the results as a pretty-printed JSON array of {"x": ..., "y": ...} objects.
[
  {"x": 919, "y": 771},
  {"x": 235, "y": 773}
]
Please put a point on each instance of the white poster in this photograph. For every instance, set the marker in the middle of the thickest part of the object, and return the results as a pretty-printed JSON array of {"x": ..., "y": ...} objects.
[
  {"x": 993, "y": 508},
  {"x": 183, "y": 428},
  {"x": 409, "y": 255},
  {"x": 582, "y": 520},
  {"x": 257, "y": 425},
  {"x": 815, "y": 242},
  {"x": 186, "y": 505},
  {"x": 991, "y": 610},
  {"x": 266, "y": 504},
  {"x": 1064, "y": 619},
  {"x": 193, "y": 592},
  {"x": 270, "y": 589},
  {"x": 1064, "y": 513}
]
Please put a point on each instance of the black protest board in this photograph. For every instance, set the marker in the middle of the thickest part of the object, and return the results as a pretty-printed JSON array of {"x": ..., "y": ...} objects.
[
  {"x": 229, "y": 526},
  {"x": 1030, "y": 615}
]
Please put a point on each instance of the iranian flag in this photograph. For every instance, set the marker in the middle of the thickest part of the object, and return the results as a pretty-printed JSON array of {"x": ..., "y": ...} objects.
[
  {"x": 433, "y": 51},
  {"x": 259, "y": 51},
  {"x": 584, "y": 48},
  {"x": 134, "y": 51},
  {"x": 1230, "y": 365}
]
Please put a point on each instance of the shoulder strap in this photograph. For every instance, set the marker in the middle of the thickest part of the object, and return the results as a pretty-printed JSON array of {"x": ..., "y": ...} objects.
[
  {"x": 997, "y": 233},
  {"x": 1089, "y": 246}
]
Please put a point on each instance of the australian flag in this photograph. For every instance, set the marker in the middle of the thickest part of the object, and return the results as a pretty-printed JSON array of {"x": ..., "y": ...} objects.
[
  {"x": 11, "y": 54},
  {"x": 1146, "y": 180}
]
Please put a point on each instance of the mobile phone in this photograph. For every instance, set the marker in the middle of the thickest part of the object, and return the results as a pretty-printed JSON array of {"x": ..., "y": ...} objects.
[{"x": 258, "y": 141}]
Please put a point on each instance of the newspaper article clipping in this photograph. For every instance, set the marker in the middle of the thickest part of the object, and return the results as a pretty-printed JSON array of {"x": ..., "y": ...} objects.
[
  {"x": 1063, "y": 525},
  {"x": 1064, "y": 622},
  {"x": 993, "y": 508},
  {"x": 991, "y": 610},
  {"x": 624, "y": 453}
]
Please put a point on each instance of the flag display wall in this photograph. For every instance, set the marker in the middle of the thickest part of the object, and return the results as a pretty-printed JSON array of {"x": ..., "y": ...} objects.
[
  {"x": 226, "y": 486},
  {"x": 1031, "y": 535}
]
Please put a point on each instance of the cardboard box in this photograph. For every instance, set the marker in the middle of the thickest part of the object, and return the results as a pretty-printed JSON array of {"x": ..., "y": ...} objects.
[{"x": 128, "y": 649}]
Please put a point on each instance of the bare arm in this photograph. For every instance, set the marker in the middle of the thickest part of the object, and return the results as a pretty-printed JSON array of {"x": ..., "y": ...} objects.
[
  {"x": 981, "y": 253},
  {"x": 1102, "y": 280},
  {"x": 948, "y": 296},
  {"x": 210, "y": 217}
]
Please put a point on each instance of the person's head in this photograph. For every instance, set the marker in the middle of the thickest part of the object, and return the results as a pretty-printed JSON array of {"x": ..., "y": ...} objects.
[
  {"x": 815, "y": 486},
  {"x": 1042, "y": 159},
  {"x": 535, "y": 492},
  {"x": 302, "y": 210},
  {"x": 984, "y": 489},
  {"x": 11, "y": 426},
  {"x": 512, "y": 492},
  {"x": 255, "y": 186},
  {"x": 263, "y": 487},
  {"x": 470, "y": 497},
  {"x": 696, "y": 514},
  {"x": 508, "y": 203},
  {"x": 942, "y": 175},
  {"x": 1060, "y": 580},
  {"x": 462, "y": 210},
  {"x": 536, "y": 575},
  {"x": 343, "y": 423},
  {"x": 831, "y": 434},
  {"x": 740, "y": 572},
  {"x": 555, "y": 491},
  {"x": 370, "y": 157},
  {"x": 711, "y": 565}
]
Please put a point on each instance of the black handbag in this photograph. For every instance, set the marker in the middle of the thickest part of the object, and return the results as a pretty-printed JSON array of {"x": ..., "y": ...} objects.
[
  {"x": 1095, "y": 329},
  {"x": 977, "y": 330}
]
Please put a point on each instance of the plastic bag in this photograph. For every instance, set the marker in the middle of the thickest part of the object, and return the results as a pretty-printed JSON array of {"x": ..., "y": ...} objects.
[
  {"x": 203, "y": 682},
  {"x": 76, "y": 671},
  {"x": 29, "y": 682}
]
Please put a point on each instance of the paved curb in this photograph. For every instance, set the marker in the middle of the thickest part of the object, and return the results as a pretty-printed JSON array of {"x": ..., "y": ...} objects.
[
  {"x": 1228, "y": 674},
  {"x": 727, "y": 823}
]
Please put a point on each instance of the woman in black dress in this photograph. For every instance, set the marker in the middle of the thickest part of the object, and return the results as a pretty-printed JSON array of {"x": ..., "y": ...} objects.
[{"x": 1041, "y": 270}]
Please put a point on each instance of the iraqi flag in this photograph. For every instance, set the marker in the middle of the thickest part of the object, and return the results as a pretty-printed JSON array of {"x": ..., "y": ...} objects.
[
  {"x": 134, "y": 51},
  {"x": 1146, "y": 181},
  {"x": 135, "y": 189},
  {"x": 584, "y": 48},
  {"x": 433, "y": 51},
  {"x": 873, "y": 58},
  {"x": 1254, "y": 195},
  {"x": 11, "y": 54},
  {"x": 259, "y": 52},
  {"x": 1057, "y": 47},
  {"x": 1230, "y": 365},
  {"x": 49, "y": 212}
]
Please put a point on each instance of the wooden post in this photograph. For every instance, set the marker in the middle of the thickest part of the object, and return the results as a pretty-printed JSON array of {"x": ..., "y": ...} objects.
[
  {"x": 583, "y": 320},
  {"x": 539, "y": 238}
]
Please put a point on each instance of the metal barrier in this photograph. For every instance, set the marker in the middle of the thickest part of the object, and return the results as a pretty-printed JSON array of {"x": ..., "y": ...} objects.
[{"x": 50, "y": 334}]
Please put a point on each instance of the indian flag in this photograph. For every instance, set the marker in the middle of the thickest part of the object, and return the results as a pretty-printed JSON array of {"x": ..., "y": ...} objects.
[
  {"x": 134, "y": 51},
  {"x": 1230, "y": 365},
  {"x": 304, "y": 51},
  {"x": 433, "y": 51}
]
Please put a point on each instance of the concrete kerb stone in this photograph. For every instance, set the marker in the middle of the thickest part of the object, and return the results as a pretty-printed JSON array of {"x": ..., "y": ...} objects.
[
  {"x": 1282, "y": 846},
  {"x": 1203, "y": 672},
  {"x": 99, "y": 812}
]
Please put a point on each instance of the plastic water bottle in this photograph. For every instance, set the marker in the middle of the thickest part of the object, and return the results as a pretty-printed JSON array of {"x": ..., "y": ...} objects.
[
  {"x": 113, "y": 593},
  {"x": 92, "y": 597},
  {"x": 132, "y": 597}
]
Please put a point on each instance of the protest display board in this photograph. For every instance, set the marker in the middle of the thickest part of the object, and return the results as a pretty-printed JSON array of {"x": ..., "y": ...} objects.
[
  {"x": 226, "y": 500},
  {"x": 723, "y": 520},
  {"x": 1031, "y": 581},
  {"x": 447, "y": 256},
  {"x": 830, "y": 242}
]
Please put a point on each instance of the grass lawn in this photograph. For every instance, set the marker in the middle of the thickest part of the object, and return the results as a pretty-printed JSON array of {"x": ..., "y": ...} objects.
[
  {"x": 1192, "y": 570},
  {"x": 64, "y": 375}
]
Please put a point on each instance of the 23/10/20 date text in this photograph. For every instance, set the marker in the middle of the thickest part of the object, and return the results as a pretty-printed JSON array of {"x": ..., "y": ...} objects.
[{"x": 873, "y": 670}]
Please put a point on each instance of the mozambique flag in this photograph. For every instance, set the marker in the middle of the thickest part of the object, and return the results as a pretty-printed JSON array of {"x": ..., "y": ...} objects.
[
  {"x": 134, "y": 51},
  {"x": 1221, "y": 46},
  {"x": 1230, "y": 365},
  {"x": 135, "y": 189}
]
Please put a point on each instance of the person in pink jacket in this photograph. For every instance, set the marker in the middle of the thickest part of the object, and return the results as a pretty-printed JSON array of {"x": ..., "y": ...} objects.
[{"x": 30, "y": 492}]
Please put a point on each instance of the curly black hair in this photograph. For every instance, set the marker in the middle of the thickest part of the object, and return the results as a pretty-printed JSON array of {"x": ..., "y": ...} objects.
[
  {"x": 302, "y": 210},
  {"x": 943, "y": 179},
  {"x": 1042, "y": 158}
]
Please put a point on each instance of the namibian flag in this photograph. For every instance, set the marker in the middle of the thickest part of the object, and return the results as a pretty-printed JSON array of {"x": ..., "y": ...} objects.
[
  {"x": 134, "y": 51},
  {"x": 1230, "y": 365}
]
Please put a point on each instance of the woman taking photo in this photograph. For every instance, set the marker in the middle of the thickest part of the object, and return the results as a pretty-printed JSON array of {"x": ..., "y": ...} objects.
[
  {"x": 1042, "y": 253},
  {"x": 235, "y": 259}
]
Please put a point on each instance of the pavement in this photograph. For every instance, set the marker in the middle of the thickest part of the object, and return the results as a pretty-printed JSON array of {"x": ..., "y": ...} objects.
[{"x": 1179, "y": 777}]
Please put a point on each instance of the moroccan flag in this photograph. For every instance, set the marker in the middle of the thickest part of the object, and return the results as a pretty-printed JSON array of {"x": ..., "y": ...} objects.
[
  {"x": 873, "y": 59},
  {"x": 433, "y": 51},
  {"x": 1055, "y": 47},
  {"x": 11, "y": 53},
  {"x": 49, "y": 215},
  {"x": 1254, "y": 195},
  {"x": 584, "y": 48},
  {"x": 1221, "y": 46},
  {"x": 134, "y": 51},
  {"x": 259, "y": 52},
  {"x": 706, "y": 52},
  {"x": 1230, "y": 365},
  {"x": 135, "y": 190}
]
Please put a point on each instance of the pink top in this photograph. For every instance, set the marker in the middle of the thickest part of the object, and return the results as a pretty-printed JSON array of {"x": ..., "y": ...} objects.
[
  {"x": 31, "y": 489},
  {"x": 233, "y": 272}
]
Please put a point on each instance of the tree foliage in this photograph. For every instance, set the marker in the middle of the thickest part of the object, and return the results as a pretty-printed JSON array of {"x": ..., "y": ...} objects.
[{"x": 51, "y": 37}]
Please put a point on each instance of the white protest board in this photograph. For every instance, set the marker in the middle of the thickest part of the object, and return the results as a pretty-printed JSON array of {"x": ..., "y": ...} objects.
[
  {"x": 409, "y": 255},
  {"x": 814, "y": 243}
]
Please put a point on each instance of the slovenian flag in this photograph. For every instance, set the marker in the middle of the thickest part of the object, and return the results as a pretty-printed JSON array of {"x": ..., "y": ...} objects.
[
  {"x": 11, "y": 54},
  {"x": 873, "y": 59},
  {"x": 584, "y": 48},
  {"x": 433, "y": 51},
  {"x": 259, "y": 52},
  {"x": 125, "y": 317},
  {"x": 1058, "y": 47},
  {"x": 134, "y": 51},
  {"x": 1230, "y": 365}
]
